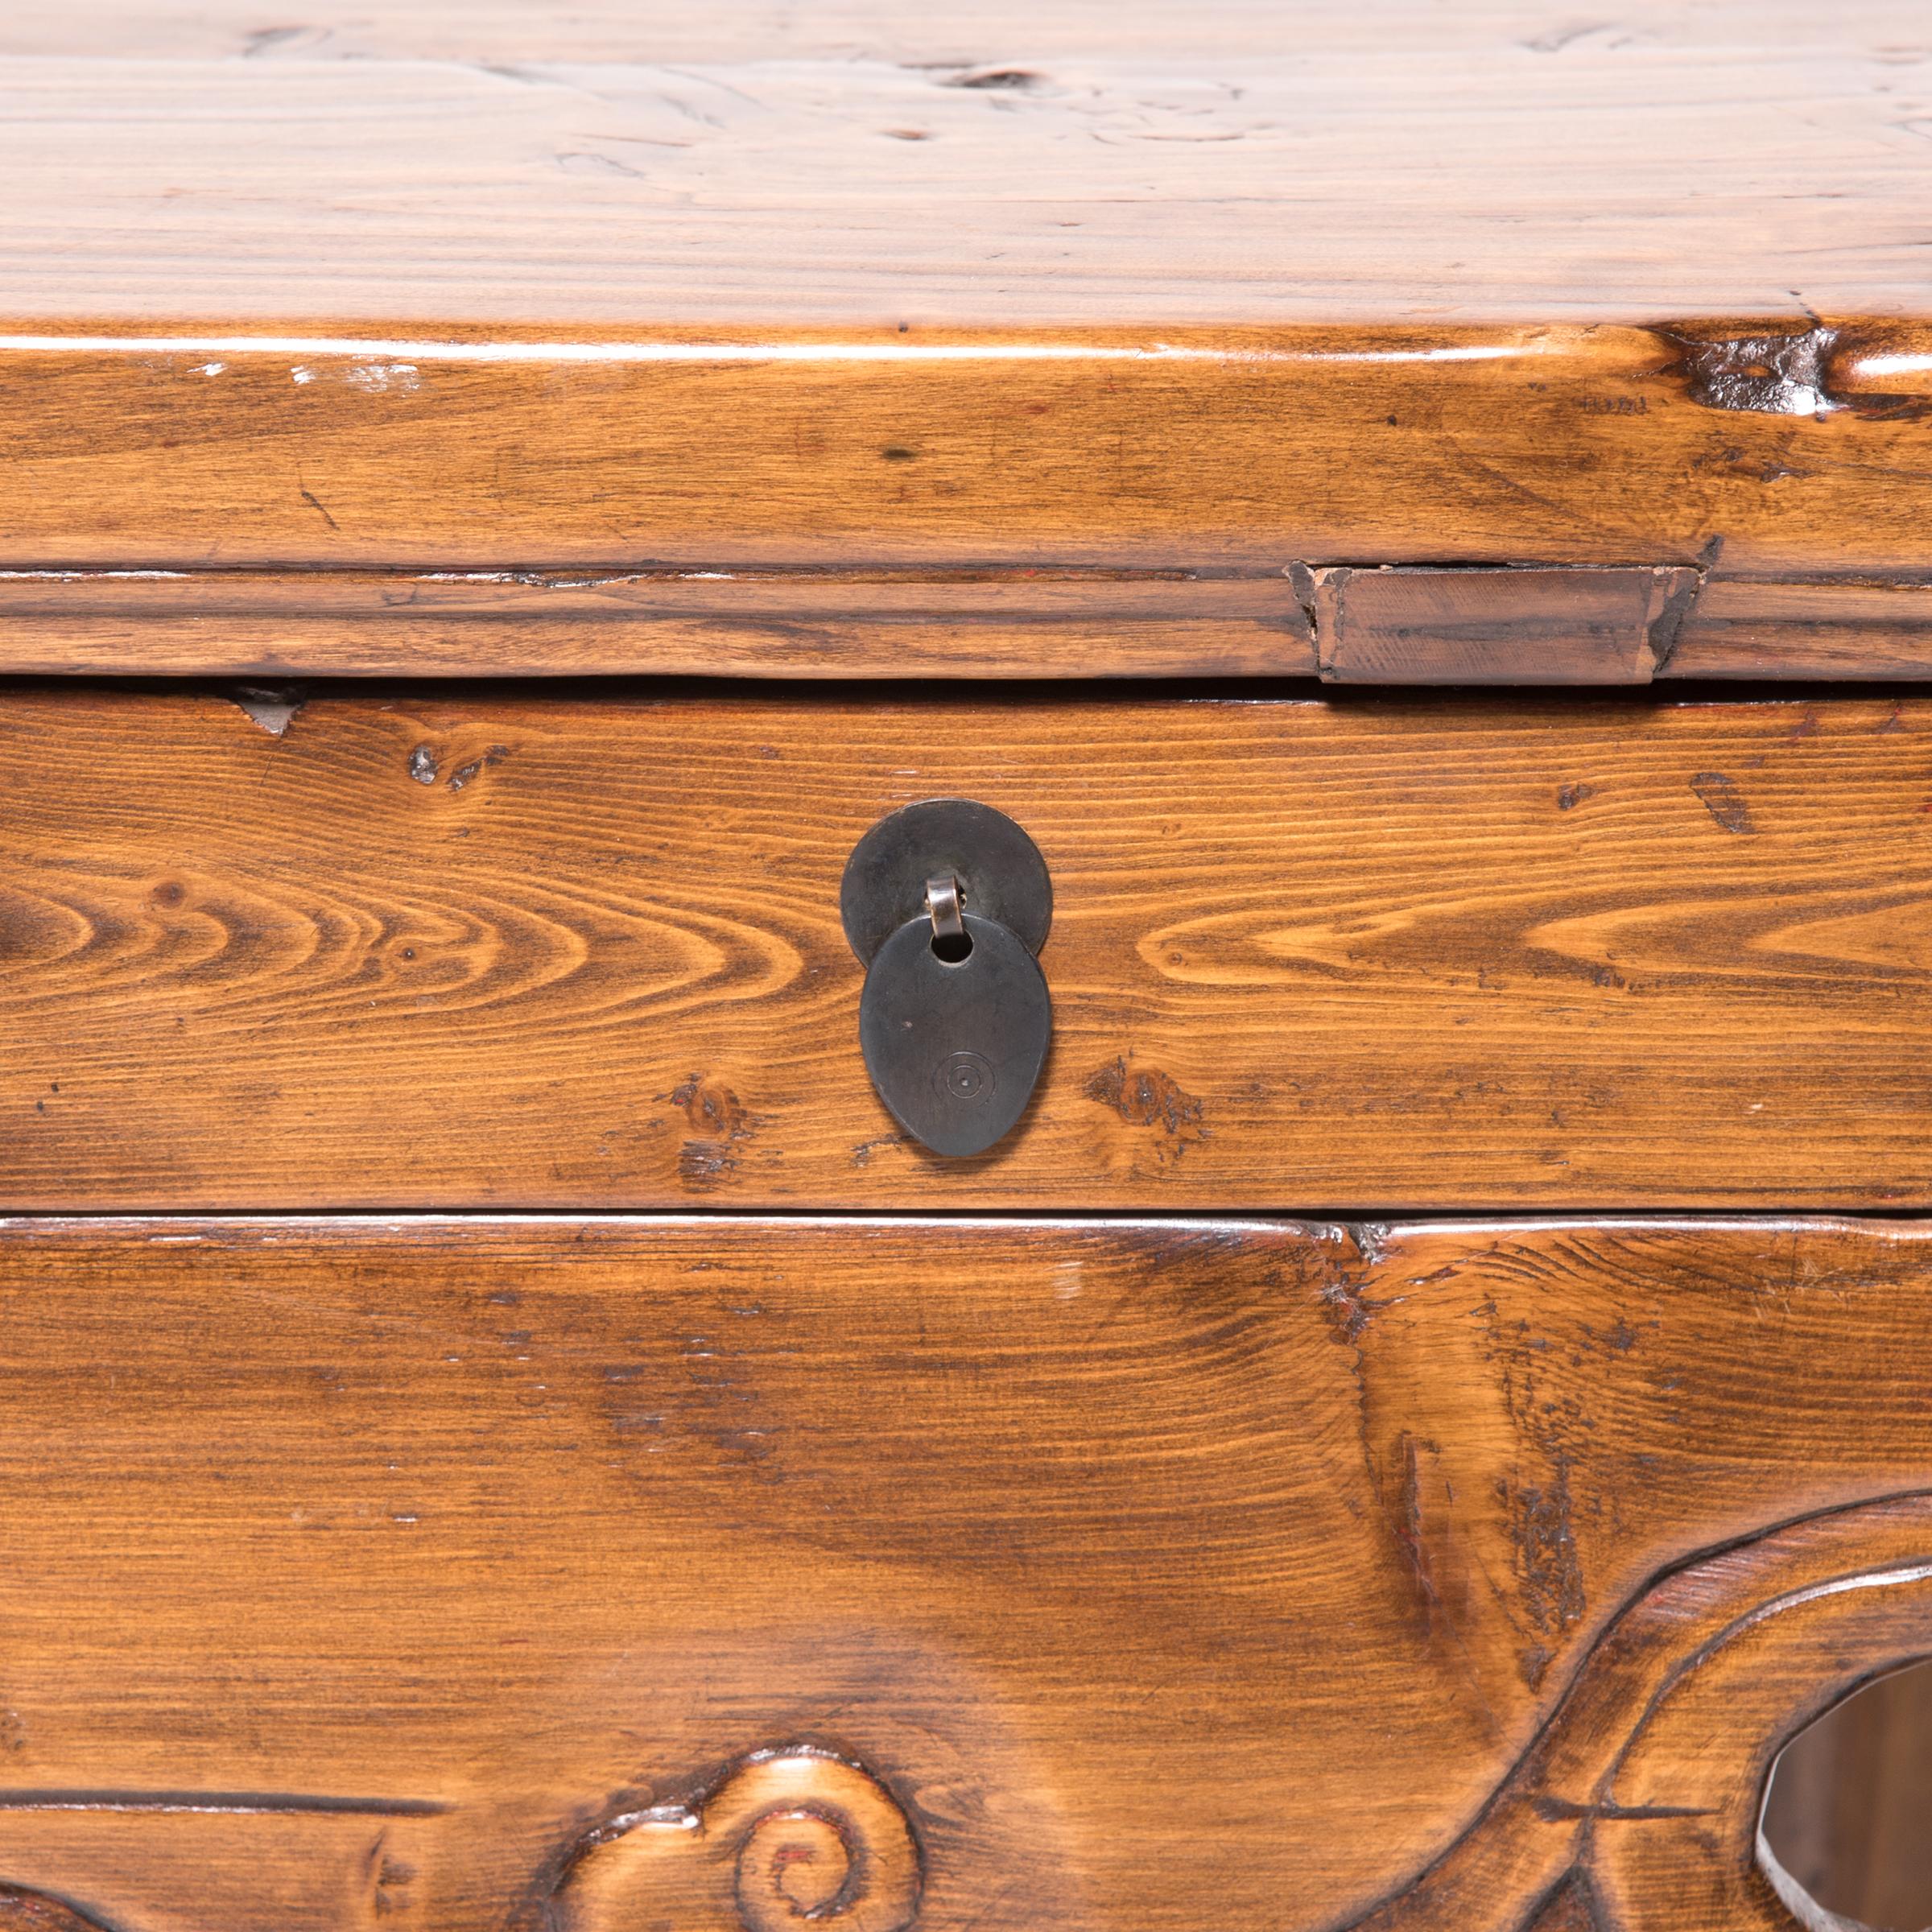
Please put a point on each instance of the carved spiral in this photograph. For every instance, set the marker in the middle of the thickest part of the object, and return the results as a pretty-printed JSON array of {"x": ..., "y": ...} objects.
[
  {"x": 806, "y": 1839},
  {"x": 801, "y": 1864},
  {"x": 841, "y": 1854}
]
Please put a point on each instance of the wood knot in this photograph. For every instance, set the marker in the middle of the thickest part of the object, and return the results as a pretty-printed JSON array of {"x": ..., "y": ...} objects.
[
  {"x": 1144, "y": 1096},
  {"x": 719, "y": 1125}
]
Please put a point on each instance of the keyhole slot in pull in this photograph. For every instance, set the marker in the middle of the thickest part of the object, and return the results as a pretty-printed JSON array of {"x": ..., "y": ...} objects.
[{"x": 951, "y": 942}]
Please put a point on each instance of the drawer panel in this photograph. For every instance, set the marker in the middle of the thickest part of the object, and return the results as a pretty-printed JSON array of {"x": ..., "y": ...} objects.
[
  {"x": 494, "y": 951},
  {"x": 588, "y": 1575}
]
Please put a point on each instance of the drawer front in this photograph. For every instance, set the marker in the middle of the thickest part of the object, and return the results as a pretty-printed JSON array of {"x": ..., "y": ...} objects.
[
  {"x": 614, "y": 1574},
  {"x": 488, "y": 951}
]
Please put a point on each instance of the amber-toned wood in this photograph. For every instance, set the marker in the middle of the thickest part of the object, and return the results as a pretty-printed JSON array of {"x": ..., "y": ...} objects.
[
  {"x": 1012, "y": 623},
  {"x": 786, "y": 1839},
  {"x": 590, "y": 316},
  {"x": 1536, "y": 625},
  {"x": 474, "y": 950},
  {"x": 1807, "y": 630},
  {"x": 1143, "y": 447},
  {"x": 715, "y": 1572},
  {"x": 1635, "y": 1807}
]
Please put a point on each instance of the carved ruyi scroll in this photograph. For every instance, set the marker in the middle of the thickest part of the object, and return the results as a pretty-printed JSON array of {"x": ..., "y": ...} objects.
[
  {"x": 1637, "y": 1807},
  {"x": 785, "y": 1840},
  {"x": 1437, "y": 1577}
]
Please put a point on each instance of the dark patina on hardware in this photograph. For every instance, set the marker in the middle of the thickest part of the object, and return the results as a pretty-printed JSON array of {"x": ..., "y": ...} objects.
[{"x": 947, "y": 901}]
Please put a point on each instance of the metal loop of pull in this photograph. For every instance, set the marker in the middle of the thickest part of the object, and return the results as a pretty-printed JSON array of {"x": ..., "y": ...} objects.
[{"x": 942, "y": 906}]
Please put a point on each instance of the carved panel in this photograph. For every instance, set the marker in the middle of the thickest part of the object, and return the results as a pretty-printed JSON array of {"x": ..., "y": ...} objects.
[
  {"x": 1637, "y": 1804},
  {"x": 437, "y": 1576}
]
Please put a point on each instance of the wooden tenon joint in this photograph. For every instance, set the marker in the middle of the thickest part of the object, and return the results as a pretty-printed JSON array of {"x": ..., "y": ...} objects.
[{"x": 1465, "y": 626}]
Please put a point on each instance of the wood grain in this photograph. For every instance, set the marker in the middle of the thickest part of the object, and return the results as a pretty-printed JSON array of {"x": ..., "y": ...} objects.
[
  {"x": 1527, "y": 626},
  {"x": 467, "y": 950},
  {"x": 595, "y": 1573},
  {"x": 1142, "y": 448},
  {"x": 1433, "y": 626},
  {"x": 1010, "y": 624},
  {"x": 601, "y": 32},
  {"x": 1840, "y": 631},
  {"x": 599, "y": 310},
  {"x": 756, "y": 161},
  {"x": 1655, "y": 1808}
]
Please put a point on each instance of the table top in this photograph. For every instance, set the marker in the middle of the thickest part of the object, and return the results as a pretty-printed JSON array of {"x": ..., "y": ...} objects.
[
  {"x": 1086, "y": 286},
  {"x": 849, "y": 162}
]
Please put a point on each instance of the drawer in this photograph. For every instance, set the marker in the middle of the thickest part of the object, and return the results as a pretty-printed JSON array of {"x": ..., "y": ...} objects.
[
  {"x": 609, "y": 1573},
  {"x": 481, "y": 950}
]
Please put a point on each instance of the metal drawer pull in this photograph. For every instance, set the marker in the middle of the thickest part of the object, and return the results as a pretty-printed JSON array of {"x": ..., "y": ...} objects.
[{"x": 945, "y": 902}]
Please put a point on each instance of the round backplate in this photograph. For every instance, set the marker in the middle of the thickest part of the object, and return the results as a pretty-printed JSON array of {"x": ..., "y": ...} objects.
[{"x": 1000, "y": 873}]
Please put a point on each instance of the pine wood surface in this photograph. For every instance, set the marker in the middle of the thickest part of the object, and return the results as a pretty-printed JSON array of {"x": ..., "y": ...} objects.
[
  {"x": 1750, "y": 449},
  {"x": 752, "y": 161},
  {"x": 1007, "y": 624},
  {"x": 1019, "y": 623},
  {"x": 595, "y": 1574},
  {"x": 470, "y": 950}
]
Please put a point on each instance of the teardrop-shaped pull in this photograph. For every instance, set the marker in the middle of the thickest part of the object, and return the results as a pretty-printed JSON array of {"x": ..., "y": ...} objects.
[
  {"x": 947, "y": 901},
  {"x": 955, "y": 1044}
]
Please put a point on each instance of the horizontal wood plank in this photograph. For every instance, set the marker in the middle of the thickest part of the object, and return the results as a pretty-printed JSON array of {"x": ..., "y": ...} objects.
[
  {"x": 601, "y": 31},
  {"x": 607, "y": 1573},
  {"x": 1837, "y": 631},
  {"x": 466, "y": 950},
  {"x": 747, "y": 162},
  {"x": 1143, "y": 448},
  {"x": 1013, "y": 623}
]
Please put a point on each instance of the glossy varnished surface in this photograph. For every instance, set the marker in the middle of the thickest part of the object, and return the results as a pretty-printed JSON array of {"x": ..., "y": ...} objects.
[
  {"x": 1139, "y": 444},
  {"x": 508, "y": 950},
  {"x": 1067, "y": 1570},
  {"x": 1008, "y": 622}
]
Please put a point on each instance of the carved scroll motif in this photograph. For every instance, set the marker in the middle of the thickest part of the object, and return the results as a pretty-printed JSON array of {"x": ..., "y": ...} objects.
[
  {"x": 1637, "y": 1806},
  {"x": 786, "y": 1839}
]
